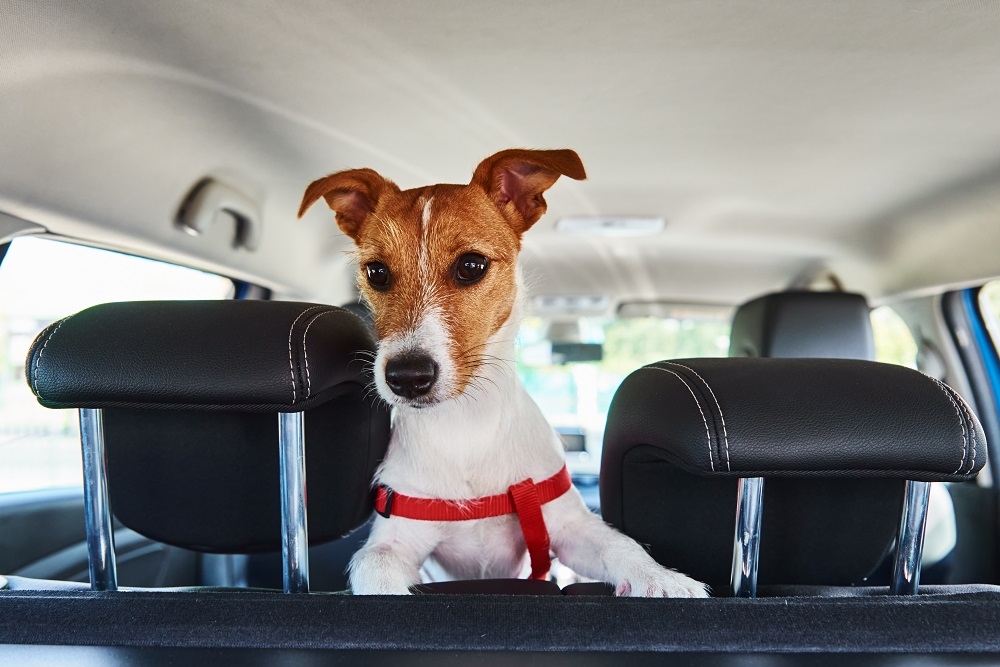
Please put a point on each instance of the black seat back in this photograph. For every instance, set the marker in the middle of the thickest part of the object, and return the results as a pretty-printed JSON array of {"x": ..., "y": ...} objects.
[
  {"x": 190, "y": 393},
  {"x": 831, "y": 325},
  {"x": 208, "y": 481},
  {"x": 798, "y": 324},
  {"x": 835, "y": 441}
]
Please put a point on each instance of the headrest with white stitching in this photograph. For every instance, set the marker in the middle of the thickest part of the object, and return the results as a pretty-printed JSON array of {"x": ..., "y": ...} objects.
[
  {"x": 189, "y": 392},
  {"x": 834, "y": 438},
  {"x": 228, "y": 355},
  {"x": 746, "y": 417}
]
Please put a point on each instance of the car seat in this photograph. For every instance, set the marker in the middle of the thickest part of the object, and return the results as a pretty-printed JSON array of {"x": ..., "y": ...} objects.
[
  {"x": 841, "y": 449},
  {"x": 834, "y": 325},
  {"x": 202, "y": 421}
]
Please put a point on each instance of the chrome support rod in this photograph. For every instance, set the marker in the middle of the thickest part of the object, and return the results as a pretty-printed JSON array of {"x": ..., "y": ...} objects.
[
  {"x": 746, "y": 544},
  {"x": 97, "y": 509},
  {"x": 910, "y": 541},
  {"x": 294, "y": 532}
]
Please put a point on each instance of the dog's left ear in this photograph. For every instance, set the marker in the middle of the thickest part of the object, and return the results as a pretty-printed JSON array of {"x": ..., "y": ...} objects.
[{"x": 515, "y": 180}]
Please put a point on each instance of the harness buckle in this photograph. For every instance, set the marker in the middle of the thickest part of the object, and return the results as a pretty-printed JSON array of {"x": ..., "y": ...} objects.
[{"x": 387, "y": 510}]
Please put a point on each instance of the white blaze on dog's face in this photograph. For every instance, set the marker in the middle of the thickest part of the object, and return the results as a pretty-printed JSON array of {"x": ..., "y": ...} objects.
[{"x": 438, "y": 263}]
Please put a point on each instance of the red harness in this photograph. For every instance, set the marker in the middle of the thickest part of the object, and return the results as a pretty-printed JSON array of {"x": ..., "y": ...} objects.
[{"x": 524, "y": 499}]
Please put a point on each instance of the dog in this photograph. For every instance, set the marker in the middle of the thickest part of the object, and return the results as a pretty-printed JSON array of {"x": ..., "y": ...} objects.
[{"x": 460, "y": 480}]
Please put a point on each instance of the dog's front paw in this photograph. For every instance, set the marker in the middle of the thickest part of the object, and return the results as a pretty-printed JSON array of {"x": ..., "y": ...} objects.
[
  {"x": 372, "y": 581},
  {"x": 379, "y": 588},
  {"x": 379, "y": 571},
  {"x": 661, "y": 583}
]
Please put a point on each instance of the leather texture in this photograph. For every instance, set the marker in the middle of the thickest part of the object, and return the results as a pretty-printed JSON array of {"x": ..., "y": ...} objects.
[
  {"x": 208, "y": 480},
  {"x": 830, "y": 531},
  {"x": 819, "y": 531},
  {"x": 225, "y": 355},
  {"x": 793, "y": 418},
  {"x": 190, "y": 393},
  {"x": 800, "y": 324},
  {"x": 835, "y": 440}
]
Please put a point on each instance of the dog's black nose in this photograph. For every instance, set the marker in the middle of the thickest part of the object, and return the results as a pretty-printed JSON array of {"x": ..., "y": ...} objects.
[{"x": 411, "y": 375}]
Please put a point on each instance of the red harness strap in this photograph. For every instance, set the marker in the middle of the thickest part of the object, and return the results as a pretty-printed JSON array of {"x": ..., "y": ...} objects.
[{"x": 524, "y": 499}]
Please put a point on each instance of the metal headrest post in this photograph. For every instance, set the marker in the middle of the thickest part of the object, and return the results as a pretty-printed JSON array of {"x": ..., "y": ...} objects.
[
  {"x": 294, "y": 531},
  {"x": 97, "y": 508},
  {"x": 746, "y": 543},
  {"x": 910, "y": 541}
]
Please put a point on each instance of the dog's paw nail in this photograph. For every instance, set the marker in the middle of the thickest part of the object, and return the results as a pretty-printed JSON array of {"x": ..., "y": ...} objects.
[{"x": 624, "y": 589}]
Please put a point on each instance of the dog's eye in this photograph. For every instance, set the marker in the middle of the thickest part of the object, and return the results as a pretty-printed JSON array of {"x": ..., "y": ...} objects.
[
  {"x": 378, "y": 275},
  {"x": 470, "y": 268}
]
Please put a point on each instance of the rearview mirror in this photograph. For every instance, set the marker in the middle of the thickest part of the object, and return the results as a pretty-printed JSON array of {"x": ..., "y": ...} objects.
[{"x": 568, "y": 353}]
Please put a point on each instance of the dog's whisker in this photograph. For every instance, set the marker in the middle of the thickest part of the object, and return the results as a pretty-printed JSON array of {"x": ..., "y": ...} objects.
[{"x": 473, "y": 349}]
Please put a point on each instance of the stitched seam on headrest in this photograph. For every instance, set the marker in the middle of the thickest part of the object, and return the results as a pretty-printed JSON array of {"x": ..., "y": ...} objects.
[
  {"x": 725, "y": 435},
  {"x": 291, "y": 366},
  {"x": 305, "y": 350},
  {"x": 708, "y": 434},
  {"x": 38, "y": 362},
  {"x": 965, "y": 447},
  {"x": 969, "y": 420}
]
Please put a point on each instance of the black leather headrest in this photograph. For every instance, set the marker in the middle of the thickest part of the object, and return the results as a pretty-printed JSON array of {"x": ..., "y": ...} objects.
[
  {"x": 361, "y": 308},
  {"x": 795, "y": 417},
  {"x": 190, "y": 393},
  {"x": 835, "y": 439},
  {"x": 801, "y": 324},
  {"x": 222, "y": 355}
]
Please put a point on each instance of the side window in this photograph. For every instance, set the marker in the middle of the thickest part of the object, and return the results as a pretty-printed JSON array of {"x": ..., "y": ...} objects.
[
  {"x": 894, "y": 343},
  {"x": 41, "y": 281},
  {"x": 989, "y": 303}
]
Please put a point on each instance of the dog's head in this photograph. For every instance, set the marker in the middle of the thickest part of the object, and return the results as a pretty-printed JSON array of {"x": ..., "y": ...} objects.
[{"x": 438, "y": 263}]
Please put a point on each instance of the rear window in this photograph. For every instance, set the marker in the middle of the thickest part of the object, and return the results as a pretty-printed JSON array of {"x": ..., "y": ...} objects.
[
  {"x": 43, "y": 280},
  {"x": 572, "y": 366}
]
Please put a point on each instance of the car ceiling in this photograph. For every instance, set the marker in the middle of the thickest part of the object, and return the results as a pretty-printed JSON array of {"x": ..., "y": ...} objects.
[{"x": 779, "y": 140}]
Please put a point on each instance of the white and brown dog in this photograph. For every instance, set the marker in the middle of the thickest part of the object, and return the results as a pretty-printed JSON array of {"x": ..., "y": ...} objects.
[{"x": 438, "y": 265}]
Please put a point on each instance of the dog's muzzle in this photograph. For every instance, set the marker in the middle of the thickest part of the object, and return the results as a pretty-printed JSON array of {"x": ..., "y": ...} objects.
[{"x": 411, "y": 375}]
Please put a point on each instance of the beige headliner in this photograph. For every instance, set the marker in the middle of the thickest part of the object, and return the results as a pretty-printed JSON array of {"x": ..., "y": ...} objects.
[{"x": 777, "y": 138}]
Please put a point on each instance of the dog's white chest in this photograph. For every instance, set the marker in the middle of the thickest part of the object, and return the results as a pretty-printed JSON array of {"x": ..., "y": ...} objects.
[
  {"x": 471, "y": 450},
  {"x": 482, "y": 549}
]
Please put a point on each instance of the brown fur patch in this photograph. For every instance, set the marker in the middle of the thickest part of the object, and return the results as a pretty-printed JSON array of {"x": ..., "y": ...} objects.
[
  {"x": 486, "y": 217},
  {"x": 462, "y": 220}
]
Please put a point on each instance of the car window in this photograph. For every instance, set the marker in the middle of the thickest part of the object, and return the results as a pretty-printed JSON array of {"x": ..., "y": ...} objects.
[
  {"x": 39, "y": 447},
  {"x": 573, "y": 366},
  {"x": 989, "y": 302},
  {"x": 894, "y": 342}
]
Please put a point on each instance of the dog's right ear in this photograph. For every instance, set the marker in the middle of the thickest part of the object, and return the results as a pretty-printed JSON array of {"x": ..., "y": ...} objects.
[{"x": 352, "y": 194}]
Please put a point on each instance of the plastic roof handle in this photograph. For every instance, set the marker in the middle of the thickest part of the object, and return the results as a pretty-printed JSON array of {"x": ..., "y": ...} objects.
[{"x": 208, "y": 199}]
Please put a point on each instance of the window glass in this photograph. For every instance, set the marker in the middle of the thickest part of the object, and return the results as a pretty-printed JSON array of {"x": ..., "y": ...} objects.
[
  {"x": 573, "y": 366},
  {"x": 894, "y": 343},
  {"x": 989, "y": 303},
  {"x": 41, "y": 281}
]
